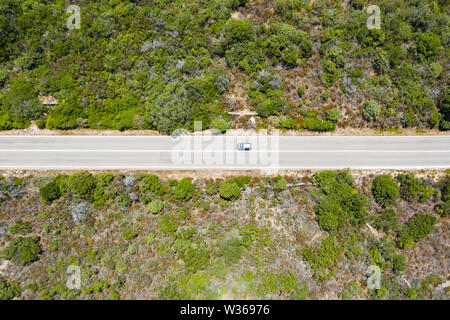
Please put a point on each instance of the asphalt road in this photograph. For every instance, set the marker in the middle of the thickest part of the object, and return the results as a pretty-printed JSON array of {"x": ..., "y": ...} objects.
[{"x": 151, "y": 152}]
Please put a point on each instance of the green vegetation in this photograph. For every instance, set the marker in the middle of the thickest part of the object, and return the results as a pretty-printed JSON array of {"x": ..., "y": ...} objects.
[
  {"x": 155, "y": 206},
  {"x": 386, "y": 221},
  {"x": 229, "y": 190},
  {"x": 8, "y": 289},
  {"x": 270, "y": 237},
  {"x": 416, "y": 229},
  {"x": 23, "y": 250},
  {"x": 184, "y": 189},
  {"x": 20, "y": 227},
  {"x": 385, "y": 190},
  {"x": 194, "y": 54},
  {"x": 339, "y": 203},
  {"x": 82, "y": 183},
  {"x": 414, "y": 189},
  {"x": 371, "y": 111},
  {"x": 323, "y": 259}
]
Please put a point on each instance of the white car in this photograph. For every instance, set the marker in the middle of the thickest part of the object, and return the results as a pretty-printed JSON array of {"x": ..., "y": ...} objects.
[{"x": 244, "y": 146}]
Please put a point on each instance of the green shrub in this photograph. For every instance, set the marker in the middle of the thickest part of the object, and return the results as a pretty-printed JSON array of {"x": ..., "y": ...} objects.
[
  {"x": 235, "y": 31},
  {"x": 229, "y": 190},
  {"x": 20, "y": 227},
  {"x": 371, "y": 111},
  {"x": 416, "y": 229},
  {"x": 330, "y": 73},
  {"x": 123, "y": 201},
  {"x": 3, "y": 78},
  {"x": 166, "y": 225},
  {"x": 399, "y": 264},
  {"x": 129, "y": 234},
  {"x": 196, "y": 256},
  {"x": 8, "y": 289},
  {"x": 334, "y": 54},
  {"x": 443, "y": 208},
  {"x": 339, "y": 202},
  {"x": 23, "y": 250},
  {"x": 279, "y": 184},
  {"x": 82, "y": 183},
  {"x": 184, "y": 189},
  {"x": 50, "y": 191},
  {"x": 384, "y": 190},
  {"x": 413, "y": 189},
  {"x": 314, "y": 123},
  {"x": 242, "y": 181},
  {"x": 381, "y": 62},
  {"x": 220, "y": 125},
  {"x": 212, "y": 188},
  {"x": 428, "y": 44},
  {"x": 150, "y": 183},
  {"x": 386, "y": 221},
  {"x": 350, "y": 291},
  {"x": 155, "y": 206},
  {"x": 230, "y": 250},
  {"x": 249, "y": 234},
  {"x": 435, "y": 69},
  {"x": 323, "y": 259},
  {"x": 172, "y": 291},
  {"x": 333, "y": 115}
]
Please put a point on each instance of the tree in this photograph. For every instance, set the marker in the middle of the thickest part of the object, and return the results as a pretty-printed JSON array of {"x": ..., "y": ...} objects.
[
  {"x": 184, "y": 189},
  {"x": 50, "y": 191},
  {"x": 279, "y": 184},
  {"x": 333, "y": 114},
  {"x": 22, "y": 102},
  {"x": 381, "y": 62},
  {"x": 155, "y": 206},
  {"x": 229, "y": 190},
  {"x": 23, "y": 250},
  {"x": 371, "y": 111},
  {"x": 169, "y": 109},
  {"x": 82, "y": 183},
  {"x": 235, "y": 31},
  {"x": 330, "y": 73},
  {"x": 385, "y": 190},
  {"x": 8, "y": 289},
  {"x": 386, "y": 221},
  {"x": 416, "y": 229},
  {"x": 219, "y": 124},
  {"x": 399, "y": 264},
  {"x": 428, "y": 44}
]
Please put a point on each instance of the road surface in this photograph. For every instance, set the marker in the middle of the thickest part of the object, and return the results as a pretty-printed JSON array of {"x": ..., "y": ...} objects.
[{"x": 283, "y": 152}]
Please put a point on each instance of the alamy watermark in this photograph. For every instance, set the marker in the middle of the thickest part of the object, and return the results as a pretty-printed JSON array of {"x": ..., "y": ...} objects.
[
  {"x": 374, "y": 20},
  {"x": 73, "y": 277},
  {"x": 74, "y": 21},
  {"x": 374, "y": 279},
  {"x": 258, "y": 150}
]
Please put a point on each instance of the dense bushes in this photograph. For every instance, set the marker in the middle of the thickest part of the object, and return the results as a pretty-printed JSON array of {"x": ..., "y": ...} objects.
[
  {"x": 8, "y": 289},
  {"x": 385, "y": 190},
  {"x": 339, "y": 203},
  {"x": 371, "y": 111},
  {"x": 111, "y": 75},
  {"x": 323, "y": 259},
  {"x": 386, "y": 221},
  {"x": 23, "y": 250},
  {"x": 229, "y": 190},
  {"x": 82, "y": 183},
  {"x": 416, "y": 229},
  {"x": 155, "y": 206},
  {"x": 50, "y": 191},
  {"x": 184, "y": 189},
  {"x": 414, "y": 189}
]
